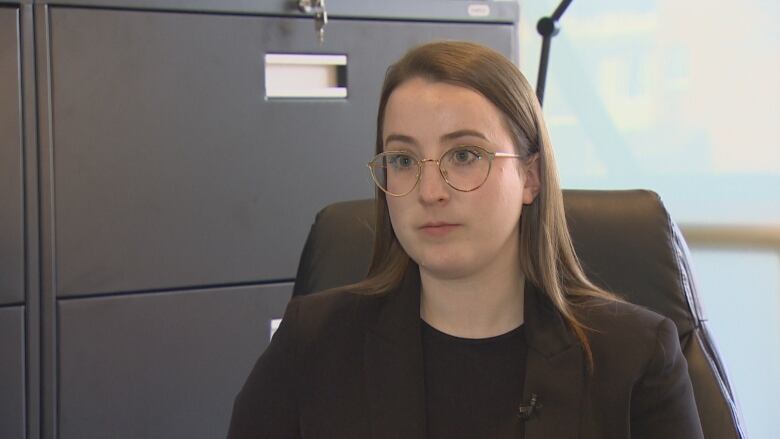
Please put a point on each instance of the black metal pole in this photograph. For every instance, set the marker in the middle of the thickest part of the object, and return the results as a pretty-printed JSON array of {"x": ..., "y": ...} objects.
[{"x": 547, "y": 28}]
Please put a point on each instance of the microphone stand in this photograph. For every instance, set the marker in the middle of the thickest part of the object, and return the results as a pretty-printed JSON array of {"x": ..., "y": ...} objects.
[{"x": 547, "y": 28}]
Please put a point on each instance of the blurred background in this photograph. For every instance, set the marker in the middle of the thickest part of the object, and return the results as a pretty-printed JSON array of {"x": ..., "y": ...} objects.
[{"x": 684, "y": 98}]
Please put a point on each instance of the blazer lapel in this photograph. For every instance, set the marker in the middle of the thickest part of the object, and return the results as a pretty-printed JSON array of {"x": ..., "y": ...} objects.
[
  {"x": 394, "y": 371},
  {"x": 554, "y": 371}
]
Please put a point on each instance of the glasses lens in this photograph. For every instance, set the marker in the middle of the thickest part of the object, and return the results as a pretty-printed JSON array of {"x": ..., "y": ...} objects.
[
  {"x": 466, "y": 167},
  {"x": 395, "y": 172}
]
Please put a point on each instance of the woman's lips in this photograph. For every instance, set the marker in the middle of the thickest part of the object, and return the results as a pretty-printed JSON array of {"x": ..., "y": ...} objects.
[{"x": 438, "y": 229}]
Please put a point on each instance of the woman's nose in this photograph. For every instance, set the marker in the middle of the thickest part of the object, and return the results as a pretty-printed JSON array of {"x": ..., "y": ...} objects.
[{"x": 433, "y": 187}]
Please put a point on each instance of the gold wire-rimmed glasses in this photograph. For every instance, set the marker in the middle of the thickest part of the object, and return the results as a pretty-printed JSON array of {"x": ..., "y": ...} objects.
[{"x": 464, "y": 168}]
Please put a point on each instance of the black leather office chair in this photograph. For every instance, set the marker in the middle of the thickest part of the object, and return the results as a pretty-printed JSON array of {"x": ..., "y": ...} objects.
[{"x": 627, "y": 244}]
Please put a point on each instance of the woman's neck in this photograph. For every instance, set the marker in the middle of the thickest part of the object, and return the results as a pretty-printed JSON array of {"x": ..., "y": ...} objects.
[{"x": 483, "y": 305}]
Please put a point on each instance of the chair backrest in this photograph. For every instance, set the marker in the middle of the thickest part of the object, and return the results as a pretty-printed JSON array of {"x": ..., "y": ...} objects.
[{"x": 627, "y": 244}]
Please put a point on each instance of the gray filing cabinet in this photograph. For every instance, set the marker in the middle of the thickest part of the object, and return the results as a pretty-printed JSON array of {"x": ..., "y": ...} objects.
[
  {"x": 176, "y": 196},
  {"x": 172, "y": 169},
  {"x": 12, "y": 382},
  {"x": 161, "y": 365},
  {"x": 12, "y": 344},
  {"x": 11, "y": 171}
]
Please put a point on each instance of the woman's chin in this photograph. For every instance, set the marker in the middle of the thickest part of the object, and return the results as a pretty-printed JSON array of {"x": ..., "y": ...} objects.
[{"x": 448, "y": 267}]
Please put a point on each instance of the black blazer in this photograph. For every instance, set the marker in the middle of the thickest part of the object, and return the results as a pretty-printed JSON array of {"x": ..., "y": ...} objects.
[{"x": 344, "y": 365}]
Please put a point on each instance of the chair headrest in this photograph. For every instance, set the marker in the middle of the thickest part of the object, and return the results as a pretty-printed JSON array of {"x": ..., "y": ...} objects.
[{"x": 626, "y": 242}]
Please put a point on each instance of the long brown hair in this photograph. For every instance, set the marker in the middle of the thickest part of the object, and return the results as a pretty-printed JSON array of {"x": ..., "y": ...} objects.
[{"x": 547, "y": 256}]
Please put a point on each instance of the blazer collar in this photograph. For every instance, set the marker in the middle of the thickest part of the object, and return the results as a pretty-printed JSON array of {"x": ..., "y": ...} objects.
[{"x": 394, "y": 370}]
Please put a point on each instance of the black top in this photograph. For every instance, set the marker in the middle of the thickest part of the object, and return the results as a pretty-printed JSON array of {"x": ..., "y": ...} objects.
[{"x": 473, "y": 387}]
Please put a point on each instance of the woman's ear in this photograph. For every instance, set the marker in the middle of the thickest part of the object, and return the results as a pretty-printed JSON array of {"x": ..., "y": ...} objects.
[{"x": 532, "y": 180}]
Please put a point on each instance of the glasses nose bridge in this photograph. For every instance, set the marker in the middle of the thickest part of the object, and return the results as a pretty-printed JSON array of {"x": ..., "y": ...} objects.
[{"x": 437, "y": 162}]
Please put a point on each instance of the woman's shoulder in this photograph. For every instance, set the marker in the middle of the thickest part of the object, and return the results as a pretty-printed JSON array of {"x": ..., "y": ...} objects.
[
  {"x": 327, "y": 300},
  {"x": 604, "y": 314},
  {"x": 626, "y": 334},
  {"x": 330, "y": 311}
]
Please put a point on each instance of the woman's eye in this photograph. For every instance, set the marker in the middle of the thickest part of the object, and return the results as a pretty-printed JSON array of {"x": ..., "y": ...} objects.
[
  {"x": 464, "y": 156},
  {"x": 401, "y": 161}
]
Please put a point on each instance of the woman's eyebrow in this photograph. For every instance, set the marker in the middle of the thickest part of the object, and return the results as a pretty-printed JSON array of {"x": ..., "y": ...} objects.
[
  {"x": 400, "y": 138},
  {"x": 449, "y": 136},
  {"x": 463, "y": 133}
]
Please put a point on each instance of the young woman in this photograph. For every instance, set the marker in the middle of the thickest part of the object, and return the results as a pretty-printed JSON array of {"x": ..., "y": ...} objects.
[{"x": 475, "y": 320}]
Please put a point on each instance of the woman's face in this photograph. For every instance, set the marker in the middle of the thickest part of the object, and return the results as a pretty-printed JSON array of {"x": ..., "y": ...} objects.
[{"x": 453, "y": 234}]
